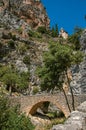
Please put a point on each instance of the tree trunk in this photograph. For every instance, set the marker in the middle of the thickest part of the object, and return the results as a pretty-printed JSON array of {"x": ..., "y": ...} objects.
[
  {"x": 66, "y": 100},
  {"x": 73, "y": 101}
]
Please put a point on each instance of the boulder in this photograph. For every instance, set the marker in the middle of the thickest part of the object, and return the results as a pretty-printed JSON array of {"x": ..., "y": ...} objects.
[{"x": 76, "y": 121}]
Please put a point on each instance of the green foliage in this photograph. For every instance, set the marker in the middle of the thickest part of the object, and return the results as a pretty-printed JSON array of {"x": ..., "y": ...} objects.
[
  {"x": 10, "y": 78},
  {"x": 52, "y": 115},
  {"x": 35, "y": 90},
  {"x": 57, "y": 60},
  {"x": 31, "y": 33},
  {"x": 78, "y": 30},
  {"x": 26, "y": 60},
  {"x": 11, "y": 44},
  {"x": 22, "y": 48},
  {"x": 12, "y": 36},
  {"x": 42, "y": 29},
  {"x": 34, "y": 34},
  {"x": 3, "y": 50},
  {"x": 74, "y": 38},
  {"x": 23, "y": 81},
  {"x": 1, "y": 3},
  {"x": 54, "y": 31},
  {"x": 11, "y": 119},
  {"x": 55, "y": 114},
  {"x": 8, "y": 35},
  {"x": 14, "y": 80},
  {"x": 20, "y": 30},
  {"x": 54, "y": 122}
]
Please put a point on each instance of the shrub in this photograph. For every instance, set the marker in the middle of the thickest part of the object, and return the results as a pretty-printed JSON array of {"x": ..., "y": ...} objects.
[
  {"x": 20, "y": 30},
  {"x": 34, "y": 34},
  {"x": 38, "y": 35},
  {"x": 11, "y": 44},
  {"x": 42, "y": 29},
  {"x": 35, "y": 90},
  {"x": 12, "y": 36},
  {"x": 52, "y": 114},
  {"x": 26, "y": 60},
  {"x": 22, "y": 48},
  {"x": 11, "y": 119},
  {"x": 31, "y": 33}
]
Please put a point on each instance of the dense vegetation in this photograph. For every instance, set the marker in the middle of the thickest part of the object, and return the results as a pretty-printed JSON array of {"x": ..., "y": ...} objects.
[
  {"x": 12, "y": 80},
  {"x": 11, "y": 118}
]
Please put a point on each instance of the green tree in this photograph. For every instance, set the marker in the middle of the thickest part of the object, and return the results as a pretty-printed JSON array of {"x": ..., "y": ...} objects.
[
  {"x": 23, "y": 81},
  {"x": 57, "y": 61},
  {"x": 13, "y": 80},
  {"x": 11, "y": 119},
  {"x": 75, "y": 38},
  {"x": 10, "y": 79},
  {"x": 54, "y": 31}
]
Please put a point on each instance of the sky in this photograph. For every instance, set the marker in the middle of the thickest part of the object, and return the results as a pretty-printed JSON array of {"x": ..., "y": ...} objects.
[{"x": 67, "y": 14}]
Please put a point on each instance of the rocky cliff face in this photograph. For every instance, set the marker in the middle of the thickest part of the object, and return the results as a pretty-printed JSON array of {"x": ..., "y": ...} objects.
[
  {"x": 32, "y": 11},
  {"x": 20, "y": 45},
  {"x": 79, "y": 72}
]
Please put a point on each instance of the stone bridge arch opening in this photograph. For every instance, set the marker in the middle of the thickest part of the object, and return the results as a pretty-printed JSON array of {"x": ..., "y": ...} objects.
[{"x": 43, "y": 105}]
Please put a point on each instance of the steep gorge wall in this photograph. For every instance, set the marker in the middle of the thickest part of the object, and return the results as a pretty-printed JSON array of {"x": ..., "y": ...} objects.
[
  {"x": 17, "y": 18},
  {"x": 79, "y": 71},
  {"x": 32, "y": 11}
]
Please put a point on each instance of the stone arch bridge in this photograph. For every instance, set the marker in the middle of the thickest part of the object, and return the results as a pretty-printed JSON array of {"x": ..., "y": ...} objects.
[{"x": 30, "y": 104}]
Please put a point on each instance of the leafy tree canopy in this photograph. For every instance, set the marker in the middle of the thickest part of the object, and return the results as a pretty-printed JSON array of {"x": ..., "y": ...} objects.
[
  {"x": 57, "y": 60},
  {"x": 14, "y": 80}
]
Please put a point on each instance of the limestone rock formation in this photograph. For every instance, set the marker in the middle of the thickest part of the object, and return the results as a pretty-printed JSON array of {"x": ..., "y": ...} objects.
[
  {"x": 33, "y": 12},
  {"x": 79, "y": 71},
  {"x": 76, "y": 121},
  {"x": 18, "y": 19}
]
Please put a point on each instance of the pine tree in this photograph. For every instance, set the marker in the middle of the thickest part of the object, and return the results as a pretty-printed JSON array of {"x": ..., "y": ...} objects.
[{"x": 57, "y": 61}]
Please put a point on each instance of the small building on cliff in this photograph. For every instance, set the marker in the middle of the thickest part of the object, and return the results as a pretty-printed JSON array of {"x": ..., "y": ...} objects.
[{"x": 63, "y": 33}]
